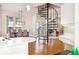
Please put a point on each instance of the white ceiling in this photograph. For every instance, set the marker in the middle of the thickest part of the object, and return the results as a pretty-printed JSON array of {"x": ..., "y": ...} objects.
[{"x": 18, "y": 6}]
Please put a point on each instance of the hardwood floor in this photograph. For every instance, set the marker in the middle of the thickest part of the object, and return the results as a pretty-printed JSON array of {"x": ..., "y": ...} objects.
[{"x": 40, "y": 47}]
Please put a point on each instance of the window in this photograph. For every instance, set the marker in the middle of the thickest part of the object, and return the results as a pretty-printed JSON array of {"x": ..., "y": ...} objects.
[
  {"x": 18, "y": 23},
  {"x": 9, "y": 23}
]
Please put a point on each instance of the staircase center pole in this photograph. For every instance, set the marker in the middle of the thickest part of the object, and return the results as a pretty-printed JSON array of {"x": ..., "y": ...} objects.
[{"x": 47, "y": 20}]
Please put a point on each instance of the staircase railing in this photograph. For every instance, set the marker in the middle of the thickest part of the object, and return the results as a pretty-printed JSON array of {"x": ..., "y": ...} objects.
[{"x": 42, "y": 11}]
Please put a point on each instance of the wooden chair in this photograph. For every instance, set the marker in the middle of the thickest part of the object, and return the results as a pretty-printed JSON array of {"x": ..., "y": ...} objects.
[
  {"x": 25, "y": 33},
  {"x": 19, "y": 33}
]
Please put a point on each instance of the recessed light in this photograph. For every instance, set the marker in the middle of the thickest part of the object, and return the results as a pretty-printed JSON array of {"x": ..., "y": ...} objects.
[{"x": 28, "y": 7}]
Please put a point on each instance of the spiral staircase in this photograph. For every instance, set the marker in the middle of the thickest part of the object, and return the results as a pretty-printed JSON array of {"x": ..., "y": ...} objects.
[{"x": 50, "y": 16}]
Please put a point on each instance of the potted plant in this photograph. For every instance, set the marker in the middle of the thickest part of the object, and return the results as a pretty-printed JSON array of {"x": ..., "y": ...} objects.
[{"x": 50, "y": 31}]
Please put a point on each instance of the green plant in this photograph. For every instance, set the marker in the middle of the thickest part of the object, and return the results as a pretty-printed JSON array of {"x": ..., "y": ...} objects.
[
  {"x": 75, "y": 51},
  {"x": 50, "y": 31}
]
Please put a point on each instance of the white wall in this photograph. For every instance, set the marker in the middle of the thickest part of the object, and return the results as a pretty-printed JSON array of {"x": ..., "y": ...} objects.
[
  {"x": 30, "y": 20},
  {"x": 0, "y": 23},
  {"x": 67, "y": 20},
  {"x": 77, "y": 25},
  {"x": 67, "y": 13}
]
